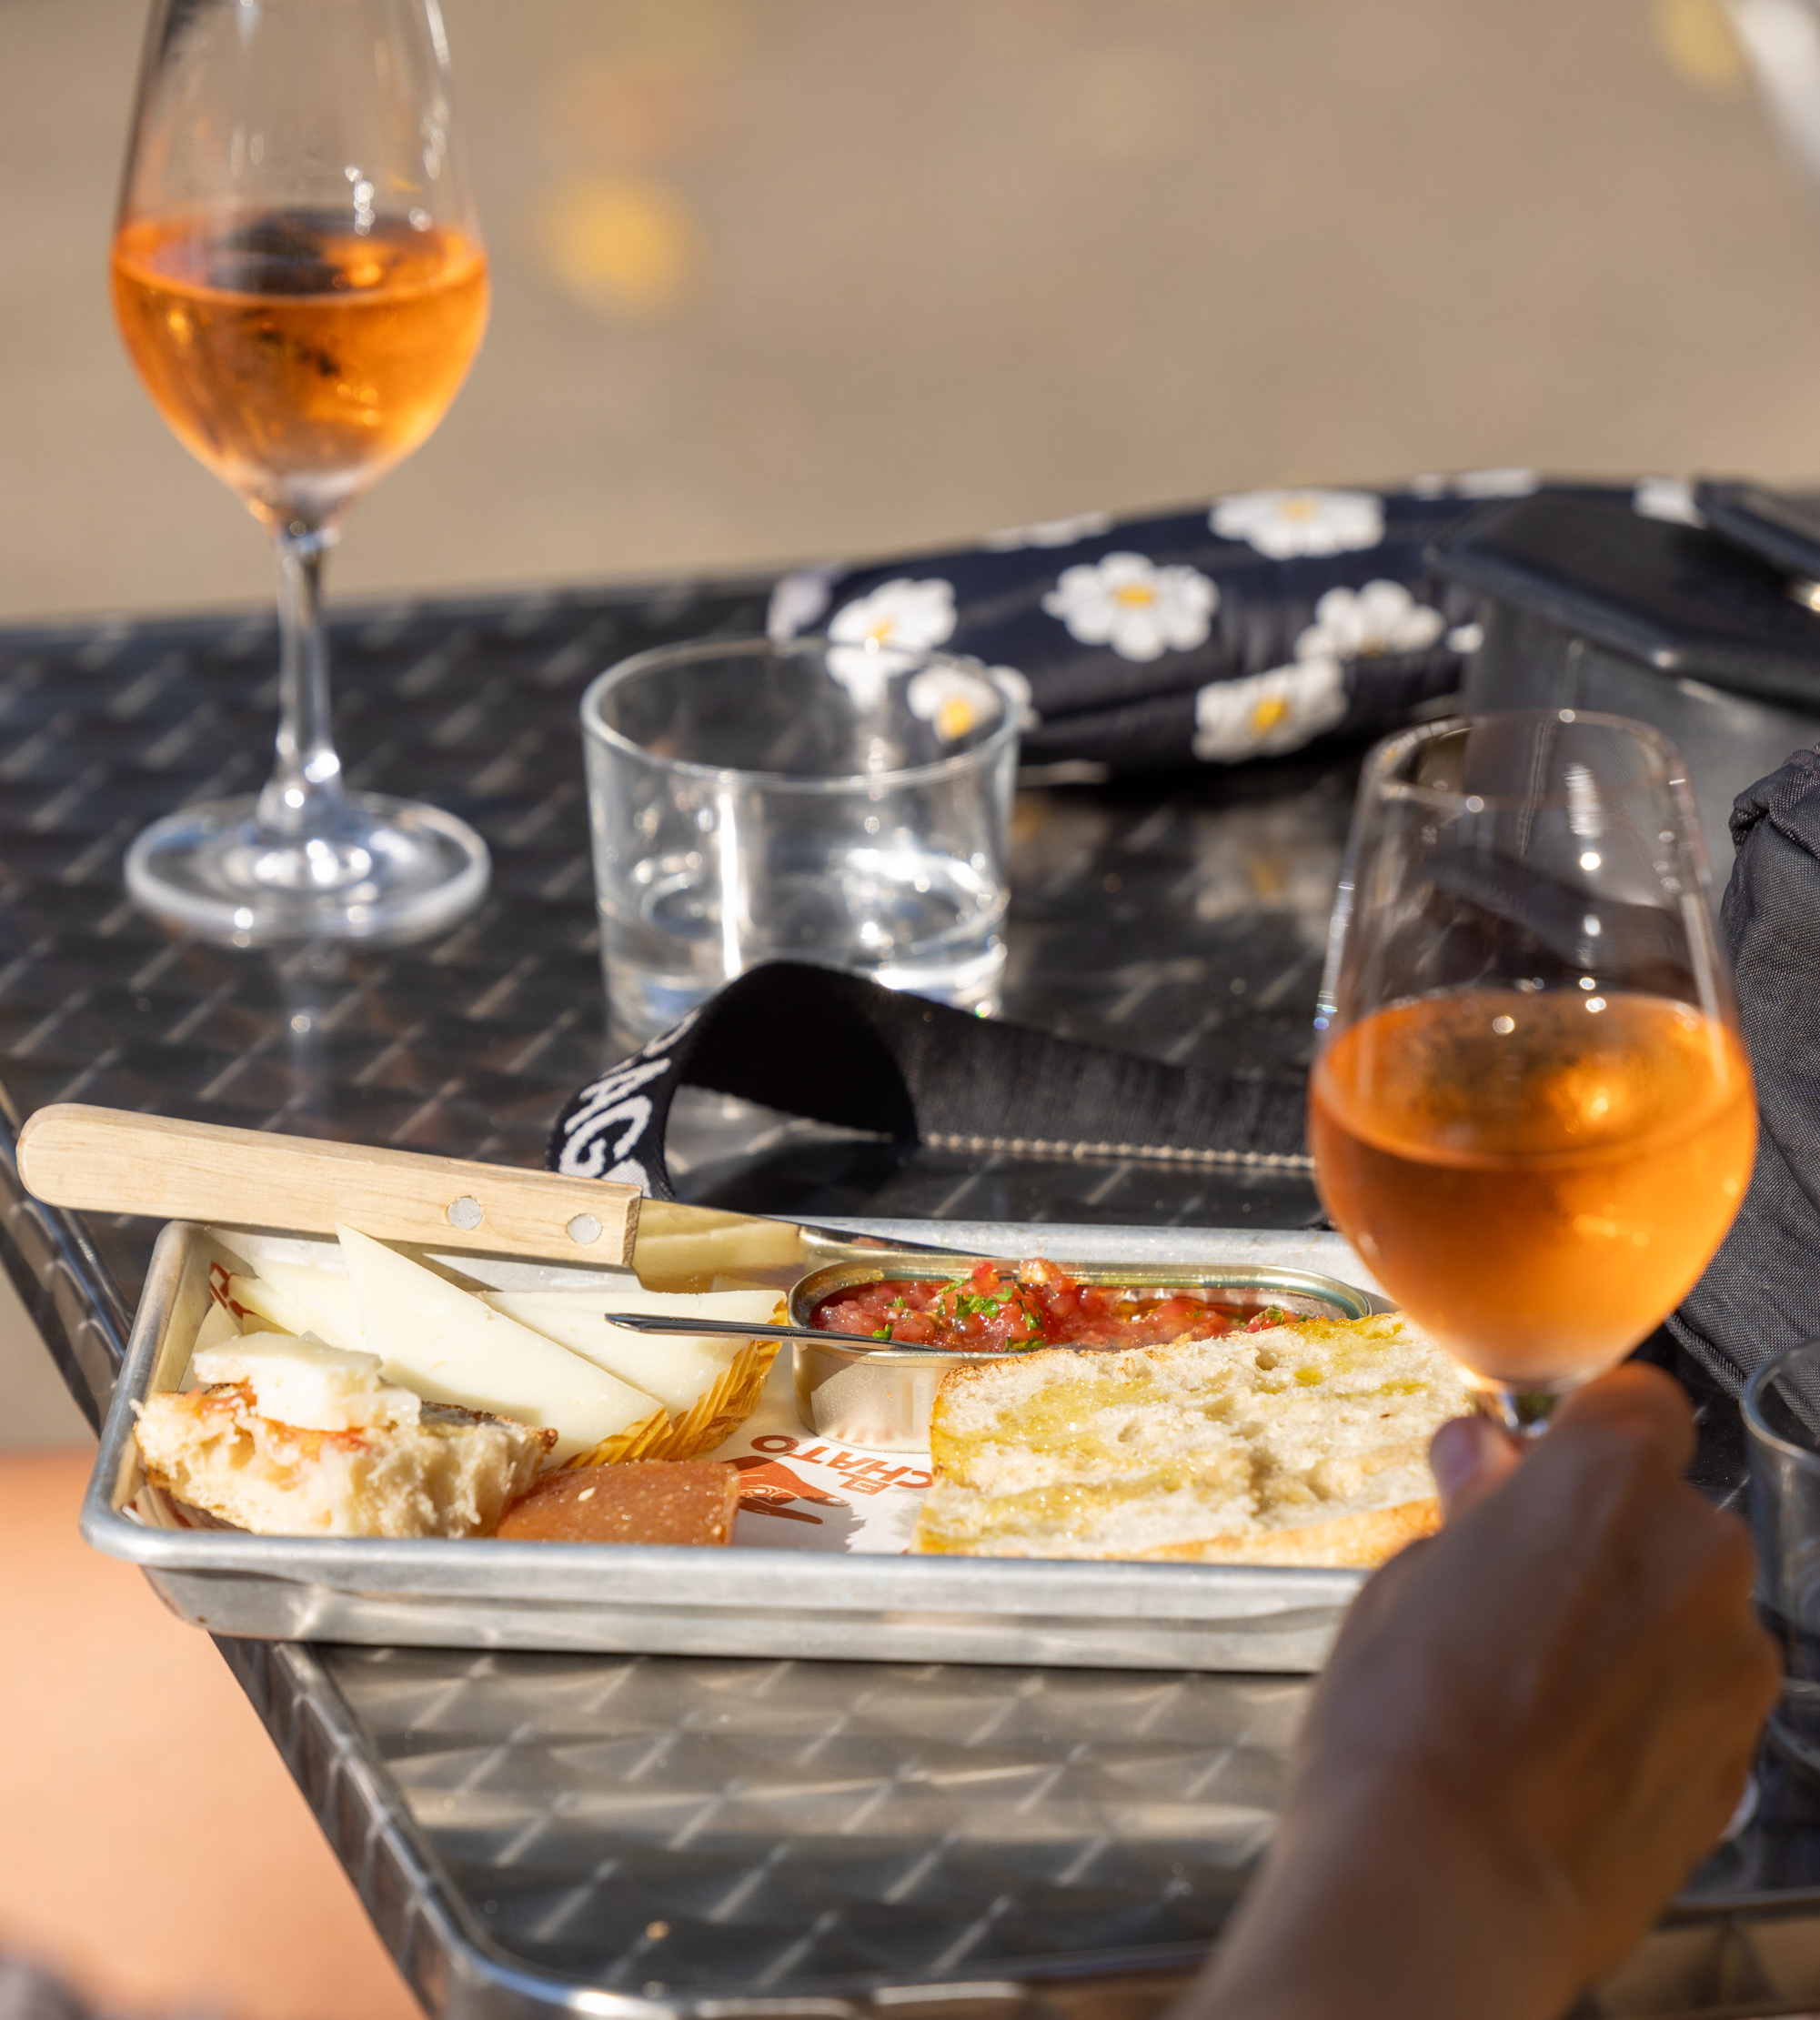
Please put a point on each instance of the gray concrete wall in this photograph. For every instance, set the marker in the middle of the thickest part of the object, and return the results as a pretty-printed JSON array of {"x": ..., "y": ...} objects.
[{"x": 785, "y": 278}]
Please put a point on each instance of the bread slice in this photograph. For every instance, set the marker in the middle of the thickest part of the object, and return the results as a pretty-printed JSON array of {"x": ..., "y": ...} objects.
[
  {"x": 1305, "y": 1443},
  {"x": 450, "y": 1473}
]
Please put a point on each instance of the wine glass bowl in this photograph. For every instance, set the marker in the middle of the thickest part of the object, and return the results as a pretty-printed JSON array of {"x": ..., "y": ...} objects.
[
  {"x": 1531, "y": 1110},
  {"x": 298, "y": 277},
  {"x": 294, "y": 357}
]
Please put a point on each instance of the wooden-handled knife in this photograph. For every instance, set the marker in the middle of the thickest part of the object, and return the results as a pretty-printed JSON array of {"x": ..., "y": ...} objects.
[
  {"x": 108, "y": 1161},
  {"x": 111, "y": 1160}
]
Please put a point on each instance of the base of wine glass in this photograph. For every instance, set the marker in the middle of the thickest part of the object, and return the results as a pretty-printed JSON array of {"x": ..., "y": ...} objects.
[{"x": 383, "y": 869}]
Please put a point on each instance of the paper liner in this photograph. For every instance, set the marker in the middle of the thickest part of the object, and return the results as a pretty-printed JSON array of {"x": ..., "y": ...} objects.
[
  {"x": 718, "y": 1413},
  {"x": 639, "y": 1441}
]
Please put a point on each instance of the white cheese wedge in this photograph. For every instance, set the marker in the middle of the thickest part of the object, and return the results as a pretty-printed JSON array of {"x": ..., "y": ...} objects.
[
  {"x": 304, "y": 1381},
  {"x": 446, "y": 1344},
  {"x": 297, "y": 1297},
  {"x": 675, "y": 1368}
]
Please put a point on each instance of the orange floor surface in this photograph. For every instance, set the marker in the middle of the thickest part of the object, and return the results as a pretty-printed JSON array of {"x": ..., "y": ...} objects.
[{"x": 153, "y": 1849}]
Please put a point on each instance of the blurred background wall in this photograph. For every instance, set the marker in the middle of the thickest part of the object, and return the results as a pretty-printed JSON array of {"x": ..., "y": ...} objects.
[{"x": 779, "y": 279}]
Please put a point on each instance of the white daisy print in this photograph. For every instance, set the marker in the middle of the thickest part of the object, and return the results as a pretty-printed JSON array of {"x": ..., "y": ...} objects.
[
  {"x": 1269, "y": 712},
  {"x": 1361, "y": 624},
  {"x": 1048, "y": 533},
  {"x": 1128, "y": 602},
  {"x": 1667, "y": 498},
  {"x": 798, "y": 599},
  {"x": 1018, "y": 690},
  {"x": 1284, "y": 524},
  {"x": 951, "y": 697},
  {"x": 880, "y": 634}
]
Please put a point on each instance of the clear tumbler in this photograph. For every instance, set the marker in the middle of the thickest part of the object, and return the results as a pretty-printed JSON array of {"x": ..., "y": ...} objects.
[
  {"x": 840, "y": 804},
  {"x": 1782, "y": 1423}
]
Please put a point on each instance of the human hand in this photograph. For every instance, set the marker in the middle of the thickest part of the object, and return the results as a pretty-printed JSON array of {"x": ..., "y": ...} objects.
[{"x": 1531, "y": 1728}]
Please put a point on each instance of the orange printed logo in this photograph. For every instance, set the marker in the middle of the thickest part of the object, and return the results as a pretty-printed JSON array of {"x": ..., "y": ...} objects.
[{"x": 767, "y": 1486}]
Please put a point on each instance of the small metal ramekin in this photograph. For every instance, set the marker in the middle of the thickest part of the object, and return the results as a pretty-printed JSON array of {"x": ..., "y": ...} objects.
[{"x": 880, "y": 1398}]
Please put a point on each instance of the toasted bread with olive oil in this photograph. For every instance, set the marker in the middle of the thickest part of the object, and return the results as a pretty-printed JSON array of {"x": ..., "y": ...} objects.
[{"x": 1306, "y": 1443}]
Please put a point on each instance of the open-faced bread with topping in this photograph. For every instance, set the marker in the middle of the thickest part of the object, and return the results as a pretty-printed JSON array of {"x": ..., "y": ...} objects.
[{"x": 1304, "y": 1444}]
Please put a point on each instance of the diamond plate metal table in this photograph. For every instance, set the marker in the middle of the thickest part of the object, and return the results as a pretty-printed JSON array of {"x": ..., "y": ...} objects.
[{"x": 536, "y": 1834}]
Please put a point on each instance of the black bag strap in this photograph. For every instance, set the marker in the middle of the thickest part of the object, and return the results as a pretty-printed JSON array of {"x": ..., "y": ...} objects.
[{"x": 838, "y": 1048}]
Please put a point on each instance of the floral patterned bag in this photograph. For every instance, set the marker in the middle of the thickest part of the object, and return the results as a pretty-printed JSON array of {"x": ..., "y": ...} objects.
[{"x": 1243, "y": 629}]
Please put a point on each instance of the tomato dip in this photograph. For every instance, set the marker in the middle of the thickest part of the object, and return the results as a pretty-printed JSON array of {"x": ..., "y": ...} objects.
[{"x": 995, "y": 1312}]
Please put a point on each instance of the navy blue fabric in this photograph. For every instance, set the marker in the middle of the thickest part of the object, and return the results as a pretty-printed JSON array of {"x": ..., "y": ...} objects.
[{"x": 1244, "y": 579}]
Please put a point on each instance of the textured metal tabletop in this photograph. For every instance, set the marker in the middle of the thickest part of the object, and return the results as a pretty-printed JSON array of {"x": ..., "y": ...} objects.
[{"x": 543, "y": 1833}]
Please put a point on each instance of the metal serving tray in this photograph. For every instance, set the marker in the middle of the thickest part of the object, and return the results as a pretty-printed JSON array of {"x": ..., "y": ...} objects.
[{"x": 682, "y": 1601}]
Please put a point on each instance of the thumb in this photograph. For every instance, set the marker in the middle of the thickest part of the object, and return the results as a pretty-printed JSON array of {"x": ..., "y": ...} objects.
[{"x": 1471, "y": 1456}]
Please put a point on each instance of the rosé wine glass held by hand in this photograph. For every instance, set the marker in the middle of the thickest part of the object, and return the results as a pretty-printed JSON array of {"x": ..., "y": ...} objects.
[
  {"x": 1531, "y": 1110},
  {"x": 299, "y": 275}
]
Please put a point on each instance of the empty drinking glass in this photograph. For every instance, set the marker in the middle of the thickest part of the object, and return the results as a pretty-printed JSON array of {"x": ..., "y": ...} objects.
[{"x": 757, "y": 801}]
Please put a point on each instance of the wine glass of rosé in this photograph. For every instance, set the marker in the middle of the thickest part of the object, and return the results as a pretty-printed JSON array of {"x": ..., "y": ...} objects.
[
  {"x": 1531, "y": 1110},
  {"x": 299, "y": 275}
]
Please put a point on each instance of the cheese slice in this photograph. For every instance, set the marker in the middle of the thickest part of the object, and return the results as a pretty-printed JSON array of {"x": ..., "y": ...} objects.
[
  {"x": 297, "y": 1297},
  {"x": 449, "y": 1346},
  {"x": 305, "y": 1382},
  {"x": 676, "y": 1368}
]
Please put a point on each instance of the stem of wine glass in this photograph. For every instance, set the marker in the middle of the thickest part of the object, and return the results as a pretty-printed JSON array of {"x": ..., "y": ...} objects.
[
  {"x": 1524, "y": 1412},
  {"x": 304, "y": 795}
]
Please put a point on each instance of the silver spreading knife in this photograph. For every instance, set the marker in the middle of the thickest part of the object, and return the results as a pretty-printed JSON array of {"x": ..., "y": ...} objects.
[{"x": 734, "y": 1329}]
